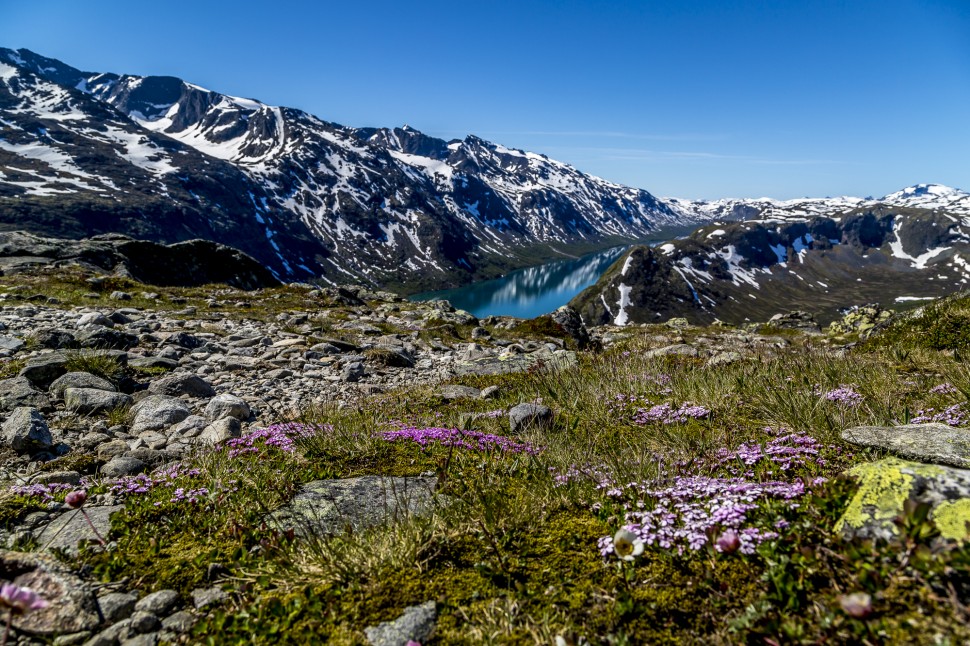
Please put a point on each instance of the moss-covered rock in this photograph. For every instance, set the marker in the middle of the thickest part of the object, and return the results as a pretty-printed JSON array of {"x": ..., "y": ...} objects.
[{"x": 887, "y": 487}]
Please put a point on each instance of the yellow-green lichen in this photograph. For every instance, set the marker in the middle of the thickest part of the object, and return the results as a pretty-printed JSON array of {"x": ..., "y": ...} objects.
[
  {"x": 953, "y": 519},
  {"x": 884, "y": 486}
]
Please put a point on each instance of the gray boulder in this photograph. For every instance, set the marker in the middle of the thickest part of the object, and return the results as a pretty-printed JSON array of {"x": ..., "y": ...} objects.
[
  {"x": 327, "y": 507},
  {"x": 105, "y": 337},
  {"x": 802, "y": 321},
  {"x": 18, "y": 391},
  {"x": 116, "y": 606},
  {"x": 91, "y": 401},
  {"x": 417, "y": 624},
  {"x": 929, "y": 443},
  {"x": 452, "y": 392},
  {"x": 79, "y": 380},
  {"x": 11, "y": 344},
  {"x": 25, "y": 431},
  {"x": 157, "y": 412},
  {"x": 182, "y": 383},
  {"x": 226, "y": 405},
  {"x": 529, "y": 416}
]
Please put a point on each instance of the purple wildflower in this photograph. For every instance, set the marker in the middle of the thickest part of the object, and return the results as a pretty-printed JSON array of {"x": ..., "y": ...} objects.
[
  {"x": 471, "y": 440},
  {"x": 953, "y": 416},
  {"x": 946, "y": 388},
  {"x": 20, "y": 600},
  {"x": 844, "y": 395},
  {"x": 666, "y": 414}
]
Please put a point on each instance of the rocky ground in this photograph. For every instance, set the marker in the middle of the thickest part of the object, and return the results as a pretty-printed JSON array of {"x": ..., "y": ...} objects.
[{"x": 105, "y": 382}]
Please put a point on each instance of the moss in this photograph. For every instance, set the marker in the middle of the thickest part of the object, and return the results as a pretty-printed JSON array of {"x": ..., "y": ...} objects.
[
  {"x": 83, "y": 463},
  {"x": 952, "y": 518}
]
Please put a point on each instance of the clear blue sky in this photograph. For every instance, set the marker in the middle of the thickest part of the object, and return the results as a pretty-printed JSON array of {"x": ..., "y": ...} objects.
[{"x": 689, "y": 98}]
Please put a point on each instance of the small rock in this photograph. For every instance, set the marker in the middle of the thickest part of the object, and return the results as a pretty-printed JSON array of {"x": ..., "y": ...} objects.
[
  {"x": 203, "y": 597},
  {"x": 417, "y": 623},
  {"x": 569, "y": 320},
  {"x": 112, "y": 449},
  {"x": 528, "y": 416},
  {"x": 489, "y": 392},
  {"x": 91, "y": 401},
  {"x": 25, "y": 431},
  {"x": 158, "y": 603},
  {"x": 144, "y": 622},
  {"x": 222, "y": 429},
  {"x": 179, "y": 622},
  {"x": 451, "y": 392},
  {"x": 43, "y": 370},
  {"x": 157, "y": 412},
  {"x": 227, "y": 405},
  {"x": 679, "y": 349},
  {"x": 116, "y": 606},
  {"x": 18, "y": 391},
  {"x": 182, "y": 384},
  {"x": 10, "y": 343},
  {"x": 120, "y": 296},
  {"x": 71, "y": 528},
  {"x": 123, "y": 466},
  {"x": 79, "y": 380},
  {"x": 57, "y": 477}
]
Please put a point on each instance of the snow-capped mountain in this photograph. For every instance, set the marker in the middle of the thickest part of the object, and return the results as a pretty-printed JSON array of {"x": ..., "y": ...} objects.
[
  {"x": 815, "y": 255},
  {"x": 161, "y": 158}
]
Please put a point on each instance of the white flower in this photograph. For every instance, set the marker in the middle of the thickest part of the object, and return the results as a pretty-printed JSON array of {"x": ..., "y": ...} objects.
[{"x": 627, "y": 545}]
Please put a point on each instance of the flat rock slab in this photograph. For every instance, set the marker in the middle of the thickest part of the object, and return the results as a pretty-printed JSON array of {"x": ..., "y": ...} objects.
[
  {"x": 70, "y": 528},
  {"x": 73, "y": 607},
  {"x": 506, "y": 364},
  {"x": 331, "y": 506},
  {"x": 929, "y": 443},
  {"x": 885, "y": 486}
]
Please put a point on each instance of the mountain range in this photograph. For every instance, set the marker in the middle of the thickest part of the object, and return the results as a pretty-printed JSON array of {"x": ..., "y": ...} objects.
[
  {"x": 159, "y": 158},
  {"x": 817, "y": 255}
]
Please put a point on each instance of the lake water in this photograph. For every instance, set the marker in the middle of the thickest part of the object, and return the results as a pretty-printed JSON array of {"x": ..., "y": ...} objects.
[{"x": 532, "y": 291}]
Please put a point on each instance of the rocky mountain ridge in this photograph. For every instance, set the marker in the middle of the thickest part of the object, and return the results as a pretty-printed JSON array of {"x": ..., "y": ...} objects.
[{"x": 159, "y": 158}]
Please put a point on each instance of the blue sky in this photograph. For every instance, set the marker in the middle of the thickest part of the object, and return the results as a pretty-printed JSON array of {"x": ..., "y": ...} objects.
[{"x": 689, "y": 98}]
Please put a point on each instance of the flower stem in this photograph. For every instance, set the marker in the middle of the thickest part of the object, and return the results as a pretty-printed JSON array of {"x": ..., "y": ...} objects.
[
  {"x": 93, "y": 529},
  {"x": 6, "y": 632}
]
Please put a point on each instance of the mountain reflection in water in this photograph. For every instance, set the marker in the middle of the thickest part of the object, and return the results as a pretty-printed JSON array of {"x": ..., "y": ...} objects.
[{"x": 532, "y": 291}]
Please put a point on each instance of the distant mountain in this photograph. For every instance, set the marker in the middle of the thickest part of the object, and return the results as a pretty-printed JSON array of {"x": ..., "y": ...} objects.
[
  {"x": 813, "y": 254},
  {"x": 159, "y": 158}
]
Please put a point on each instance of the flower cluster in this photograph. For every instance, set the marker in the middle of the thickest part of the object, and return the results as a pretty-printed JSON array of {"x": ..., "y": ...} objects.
[
  {"x": 667, "y": 414},
  {"x": 191, "y": 495},
  {"x": 953, "y": 416},
  {"x": 472, "y": 440},
  {"x": 785, "y": 452},
  {"x": 280, "y": 436},
  {"x": 844, "y": 395},
  {"x": 946, "y": 388},
  {"x": 45, "y": 492},
  {"x": 688, "y": 513}
]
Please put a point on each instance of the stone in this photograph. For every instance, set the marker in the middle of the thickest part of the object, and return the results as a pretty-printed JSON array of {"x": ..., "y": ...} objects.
[
  {"x": 94, "y": 319},
  {"x": 105, "y": 337},
  {"x": 489, "y": 392},
  {"x": 227, "y": 405},
  {"x": 529, "y": 416},
  {"x": 111, "y": 635},
  {"x": 116, "y": 606},
  {"x": 144, "y": 622},
  {"x": 146, "y": 639},
  {"x": 182, "y": 383},
  {"x": 26, "y": 431},
  {"x": 57, "y": 477},
  {"x": 158, "y": 603},
  {"x": 72, "y": 639},
  {"x": 191, "y": 425},
  {"x": 325, "y": 507},
  {"x": 179, "y": 622},
  {"x": 929, "y": 443},
  {"x": 121, "y": 465},
  {"x": 112, "y": 449},
  {"x": 888, "y": 486},
  {"x": 224, "y": 428},
  {"x": 204, "y": 597},
  {"x": 11, "y": 344},
  {"x": 54, "y": 339},
  {"x": 798, "y": 320},
  {"x": 353, "y": 372},
  {"x": 43, "y": 370},
  {"x": 71, "y": 528},
  {"x": 156, "y": 412},
  {"x": 572, "y": 324},
  {"x": 72, "y": 605},
  {"x": 18, "y": 391},
  {"x": 677, "y": 323},
  {"x": 677, "y": 349},
  {"x": 416, "y": 624},
  {"x": 91, "y": 401},
  {"x": 79, "y": 380},
  {"x": 154, "y": 362},
  {"x": 451, "y": 392},
  {"x": 724, "y": 359}
]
